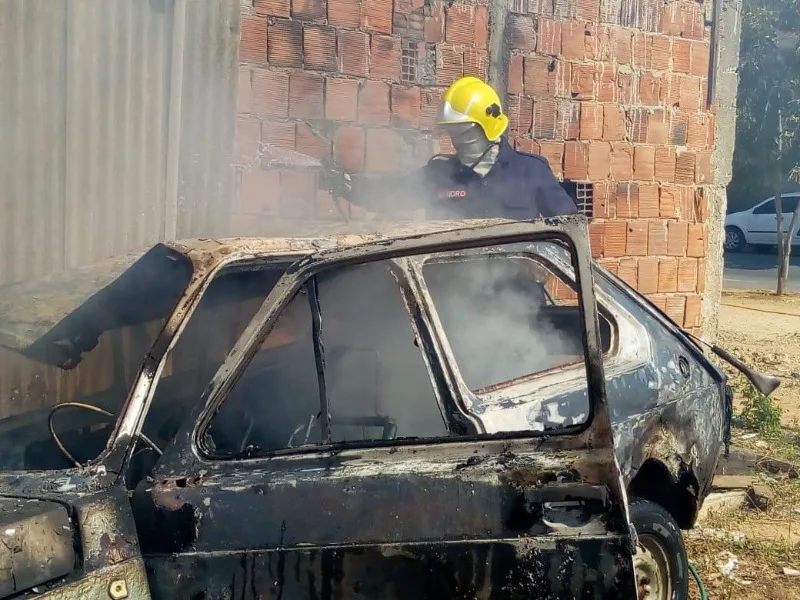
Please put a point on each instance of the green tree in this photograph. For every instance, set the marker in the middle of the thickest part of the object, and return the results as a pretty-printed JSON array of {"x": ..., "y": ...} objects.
[{"x": 767, "y": 151}]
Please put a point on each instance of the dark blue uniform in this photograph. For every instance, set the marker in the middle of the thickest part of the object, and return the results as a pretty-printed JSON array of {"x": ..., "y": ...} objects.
[{"x": 519, "y": 186}]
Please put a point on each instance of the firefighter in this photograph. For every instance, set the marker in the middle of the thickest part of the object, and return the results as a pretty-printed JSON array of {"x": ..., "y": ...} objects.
[{"x": 486, "y": 177}]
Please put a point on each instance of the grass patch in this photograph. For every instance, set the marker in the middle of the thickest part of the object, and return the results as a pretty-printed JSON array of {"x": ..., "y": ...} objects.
[{"x": 759, "y": 412}]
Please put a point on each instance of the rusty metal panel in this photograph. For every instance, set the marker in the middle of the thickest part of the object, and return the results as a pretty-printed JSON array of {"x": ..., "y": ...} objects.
[
  {"x": 208, "y": 118},
  {"x": 118, "y": 63},
  {"x": 32, "y": 116}
]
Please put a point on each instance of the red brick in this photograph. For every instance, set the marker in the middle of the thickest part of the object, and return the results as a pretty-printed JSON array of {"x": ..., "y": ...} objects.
[
  {"x": 582, "y": 82},
  {"x": 310, "y": 143},
  {"x": 636, "y": 123},
  {"x": 520, "y": 114},
  {"x": 377, "y": 15},
  {"x": 701, "y": 58},
  {"x": 671, "y": 19},
  {"x": 660, "y": 302},
  {"x": 616, "y": 238},
  {"x": 274, "y": 8},
  {"x": 599, "y": 156},
  {"x": 298, "y": 194},
  {"x": 526, "y": 145},
  {"x": 678, "y": 232},
  {"x": 613, "y": 123},
  {"x": 515, "y": 69},
  {"x": 548, "y": 41},
  {"x": 429, "y": 109},
  {"x": 596, "y": 238},
  {"x": 651, "y": 89},
  {"x": 306, "y": 95},
  {"x": 644, "y": 160},
  {"x": 381, "y": 150},
  {"x": 577, "y": 40},
  {"x": 536, "y": 71},
  {"x": 253, "y": 44},
  {"x": 385, "y": 57},
  {"x": 690, "y": 97},
  {"x": 692, "y": 313},
  {"x": 285, "y": 44},
  {"x": 657, "y": 127},
  {"x": 260, "y": 192},
  {"x": 319, "y": 47},
  {"x": 348, "y": 147},
  {"x": 675, "y": 308},
  {"x": 685, "y": 168},
  {"x": 682, "y": 56},
  {"x": 575, "y": 163},
  {"x": 244, "y": 91},
  {"x": 627, "y": 271},
  {"x": 481, "y": 40},
  {"x": 607, "y": 83},
  {"x": 651, "y": 51},
  {"x": 701, "y": 276},
  {"x": 270, "y": 93},
  {"x": 627, "y": 200},
  {"x": 554, "y": 153},
  {"x": 344, "y": 13},
  {"x": 588, "y": 9},
  {"x": 341, "y": 99},
  {"x": 314, "y": 10},
  {"x": 449, "y": 64},
  {"x": 444, "y": 144},
  {"x": 601, "y": 199},
  {"x": 460, "y": 24},
  {"x": 520, "y": 32},
  {"x": 691, "y": 20},
  {"x": 704, "y": 167},
  {"x": 637, "y": 238},
  {"x": 476, "y": 63},
  {"x": 665, "y": 164},
  {"x": 434, "y": 29},
  {"x": 591, "y": 127},
  {"x": 626, "y": 88},
  {"x": 668, "y": 275},
  {"x": 405, "y": 106},
  {"x": 621, "y": 161},
  {"x": 353, "y": 53},
  {"x": 669, "y": 197},
  {"x": 648, "y": 201},
  {"x": 373, "y": 103},
  {"x": 568, "y": 116},
  {"x": 620, "y": 39},
  {"x": 247, "y": 143},
  {"x": 280, "y": 134},
  {"x": 697, "y": 130},
  {"x": 647, "y": 281},
  {"x": 687, "y": 275},
  {"x": 696, "y": 241},
  {"x": 657, "y": 243}
]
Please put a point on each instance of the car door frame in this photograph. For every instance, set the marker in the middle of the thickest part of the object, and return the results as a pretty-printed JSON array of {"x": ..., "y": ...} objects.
[{"x": 185, "y": 470}]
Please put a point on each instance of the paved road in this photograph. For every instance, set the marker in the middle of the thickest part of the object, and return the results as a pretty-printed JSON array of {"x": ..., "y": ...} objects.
[{"x": 751, "y": 270}]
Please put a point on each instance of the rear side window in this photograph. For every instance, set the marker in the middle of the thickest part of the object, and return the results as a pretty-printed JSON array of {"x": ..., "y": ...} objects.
[
  {"x": 768, "y": 208},
  {"x": 376, "y": 381}
]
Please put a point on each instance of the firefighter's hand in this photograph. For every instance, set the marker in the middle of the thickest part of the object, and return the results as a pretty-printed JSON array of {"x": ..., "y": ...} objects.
[{"x": 338, "y": 183}]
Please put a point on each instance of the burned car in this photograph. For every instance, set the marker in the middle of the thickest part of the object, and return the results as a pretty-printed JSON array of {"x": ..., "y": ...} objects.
[{"x": 442, "y": 410}]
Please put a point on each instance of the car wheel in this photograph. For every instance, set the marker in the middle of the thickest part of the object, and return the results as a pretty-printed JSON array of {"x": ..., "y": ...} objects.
[
  {"x": 734, "y": 239},
  {"x": 662, "y": 569}
]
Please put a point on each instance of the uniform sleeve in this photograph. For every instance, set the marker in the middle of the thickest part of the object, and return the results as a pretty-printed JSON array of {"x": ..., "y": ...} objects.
[
  {"x": 551, "y": 198},
  {"x": 385, "y": 193}
]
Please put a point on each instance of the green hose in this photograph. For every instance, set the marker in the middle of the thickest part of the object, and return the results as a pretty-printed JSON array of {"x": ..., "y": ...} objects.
[{"x": 703, "y": 595}]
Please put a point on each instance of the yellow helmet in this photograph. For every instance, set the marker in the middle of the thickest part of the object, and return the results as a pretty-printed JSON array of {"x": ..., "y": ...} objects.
[{"x": 470, "y": 100}]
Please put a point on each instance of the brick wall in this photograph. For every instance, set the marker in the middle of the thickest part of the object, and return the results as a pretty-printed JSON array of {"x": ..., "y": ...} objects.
[{"x": 611, "y": 92}]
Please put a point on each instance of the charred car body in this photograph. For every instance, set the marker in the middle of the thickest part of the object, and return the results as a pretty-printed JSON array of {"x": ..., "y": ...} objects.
[{"x": 425, "y": 412}]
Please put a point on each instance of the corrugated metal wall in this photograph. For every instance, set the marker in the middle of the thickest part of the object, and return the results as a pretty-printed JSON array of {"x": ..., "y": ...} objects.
[{"x": 87, "y": 169}]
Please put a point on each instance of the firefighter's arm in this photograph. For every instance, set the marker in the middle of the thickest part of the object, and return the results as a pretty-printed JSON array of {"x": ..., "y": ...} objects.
[
  {"x": 553, "y": 199},
  {"x": 383, "y": 193}
]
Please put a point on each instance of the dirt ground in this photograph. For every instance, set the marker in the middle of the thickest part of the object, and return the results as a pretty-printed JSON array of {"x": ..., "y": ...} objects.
[
  {"x": 742, "y": 553},
  {"x": 764, "y": 330}
]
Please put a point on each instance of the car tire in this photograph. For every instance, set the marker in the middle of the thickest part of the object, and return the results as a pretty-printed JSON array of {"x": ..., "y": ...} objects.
[
  {"x": 734, "y": 239},
  {"x": 662, "y": 568}
]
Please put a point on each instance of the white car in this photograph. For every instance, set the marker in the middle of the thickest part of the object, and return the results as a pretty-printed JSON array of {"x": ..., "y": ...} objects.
[{"x": 757, "y": 226}]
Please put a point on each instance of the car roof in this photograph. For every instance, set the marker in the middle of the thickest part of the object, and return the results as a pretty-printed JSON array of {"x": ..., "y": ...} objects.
[{"x": 36, "y": 317}]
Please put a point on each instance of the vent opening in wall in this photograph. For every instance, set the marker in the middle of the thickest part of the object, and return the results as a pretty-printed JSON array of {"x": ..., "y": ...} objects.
[
  {"x": 408, "y": 61},
  {"x": 582, "y": 193}
]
